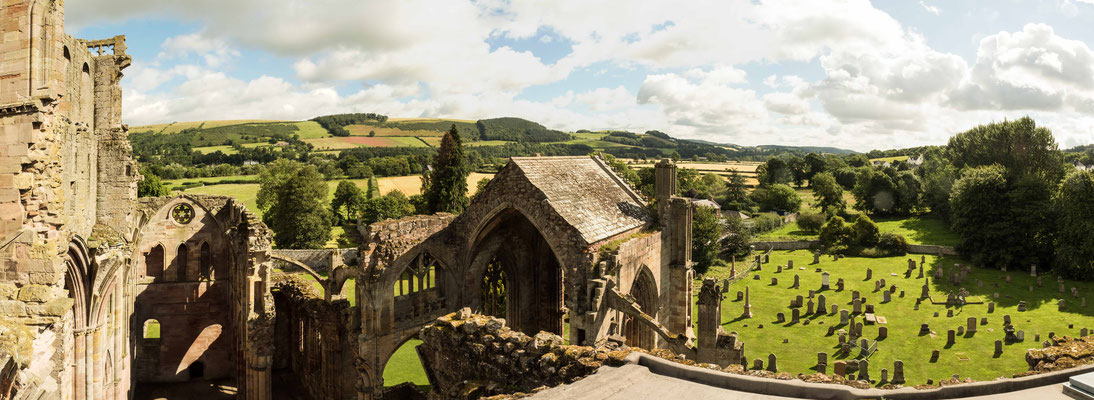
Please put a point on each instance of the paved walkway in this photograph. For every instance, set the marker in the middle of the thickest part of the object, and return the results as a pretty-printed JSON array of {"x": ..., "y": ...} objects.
[{"x": 632, "y": 381}]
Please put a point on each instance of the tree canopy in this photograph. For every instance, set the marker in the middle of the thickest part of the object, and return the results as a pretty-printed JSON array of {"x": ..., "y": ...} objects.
[
  {"x": 448, "y": 181},
  {"x": 293, "y": 197}
]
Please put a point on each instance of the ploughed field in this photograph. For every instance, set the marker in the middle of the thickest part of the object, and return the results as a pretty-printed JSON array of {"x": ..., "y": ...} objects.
[{"x": 972, "y": 354}]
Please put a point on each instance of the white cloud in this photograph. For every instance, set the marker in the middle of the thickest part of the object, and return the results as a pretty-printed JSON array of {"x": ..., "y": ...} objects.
[
  {"x": 929, "y": 8},
  {"x": 214, "y": 51},
  {"x": 704, "y": 103}
]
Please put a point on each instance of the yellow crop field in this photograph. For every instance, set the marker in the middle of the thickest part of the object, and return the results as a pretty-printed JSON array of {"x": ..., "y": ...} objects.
[
  {"x": 176, "y": 127},
  {"x": 412, "y": 185}
]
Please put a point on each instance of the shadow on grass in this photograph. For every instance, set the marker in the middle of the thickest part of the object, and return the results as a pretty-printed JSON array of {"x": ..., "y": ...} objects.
[
  {"x": 1010, "y": 293},
  {"x": 924, "y": 229}
]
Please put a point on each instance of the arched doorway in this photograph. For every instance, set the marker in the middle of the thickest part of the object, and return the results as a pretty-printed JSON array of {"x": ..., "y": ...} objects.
[
  {"x": 404, "y": 366},
  {"x": 520, "y": 276},
  {"x": 644, "y": 291}
]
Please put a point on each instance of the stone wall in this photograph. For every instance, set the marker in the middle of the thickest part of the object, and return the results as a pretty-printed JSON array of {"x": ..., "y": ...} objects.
[
  {"x": 316, "y": 340},
  {"x": 929, "y": 249},
  {"x": 1061, "y": 353},
  {"x": 473, "y": 356}
]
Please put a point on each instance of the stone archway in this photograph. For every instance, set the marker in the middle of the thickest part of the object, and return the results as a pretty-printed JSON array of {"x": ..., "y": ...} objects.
[
  {"x": 644, "y": 291},
  {"x": 517, "y": 275}
]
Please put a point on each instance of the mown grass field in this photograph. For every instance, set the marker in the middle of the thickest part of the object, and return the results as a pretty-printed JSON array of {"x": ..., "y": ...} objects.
[
  {"x": 363, "y": 130},
  {"x": 176, "y": 127},
  {"x": 971, "y": 355},
  {"x": 890, "y": 159}
]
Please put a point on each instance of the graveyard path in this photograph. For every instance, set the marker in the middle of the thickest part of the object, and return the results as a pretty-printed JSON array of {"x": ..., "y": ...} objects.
[{"x": 632, "y": 381}]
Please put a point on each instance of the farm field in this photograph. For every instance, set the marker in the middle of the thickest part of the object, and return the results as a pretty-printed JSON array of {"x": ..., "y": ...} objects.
[
  {"x": 970, "y": 356},
  {"x": 890, "y": 159},
  {"x": 363, "y": 130},
  {"x": 175, "y": 127}
]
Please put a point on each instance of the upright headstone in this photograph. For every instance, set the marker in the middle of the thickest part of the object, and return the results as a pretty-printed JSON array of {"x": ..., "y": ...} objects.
[
  {"x": 822, "y": 358},
  {"x": 809, "y": 307},
  {"x": 882, "y": 332},
  {"x": 857, "y": 304},
  {"x": 971, "y": 324},
  {"x": 840, "y": 368},
  {"x": 864, "y": 370},
  {"x": 795, "y": 286},
  {"x": 843, "y": 314},
  {"x": 884, "y": 375},
  {"x": 790, "y": 264},
  {"x": 757, "y": 364},
  {"x": 780, "y": 318},
  {"x": 1006, "y": 319},
  {"x": 1032, "y": 270},
  {"x": 835, "y": 309},
  {"x": 816, "y": 257},
  {"x": 886, "y": 296},
  {"x": 821, "y": 304},
  {"x": 824, "y": 280},
  {"x": 869, "y": 274},
  {"x": 795, "y": 315},
  {"x": 898, "y": 372},
  {"x": 771, "y": 363},
  {"x": 774, "y": 281},
  {"x": 998, "y": 347},
  {"x": 950, "y": 335},
  {"x": 991, "y": 307},
  {"x": 748, "y": 306}
]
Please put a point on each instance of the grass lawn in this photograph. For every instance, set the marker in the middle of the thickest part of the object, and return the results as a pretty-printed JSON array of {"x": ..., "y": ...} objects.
[
  {"x": 916, "y": 230},
  {"x": 311, "y": 130},
  {"x": 381, "y": 131},
  {"x": 405, "y": 366},
  {"x": 971, "y": 355},
  {"x": 487, "y": 143},
  {"x": 890, "y": 159},
  {"x": 211, "y": 179},
  {"x": 152, "y": 330}
]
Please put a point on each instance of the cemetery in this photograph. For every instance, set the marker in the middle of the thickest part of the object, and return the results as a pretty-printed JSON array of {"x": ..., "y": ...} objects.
[{"x": 937, "y": 317}]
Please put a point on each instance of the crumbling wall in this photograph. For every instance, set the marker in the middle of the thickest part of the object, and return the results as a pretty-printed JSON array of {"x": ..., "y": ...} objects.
[
  {"x": 473, "y": 356},
  {"x": 315, "y": 339},
  {"x": 1062, "y": 353}
]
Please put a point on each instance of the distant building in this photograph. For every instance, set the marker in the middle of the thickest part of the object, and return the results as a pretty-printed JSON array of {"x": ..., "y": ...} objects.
[
  {"x": 915, "y": 162},
  {"x": 709, "y": 204}
]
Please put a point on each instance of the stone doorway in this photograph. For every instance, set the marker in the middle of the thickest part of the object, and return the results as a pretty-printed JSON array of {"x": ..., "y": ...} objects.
[{"x": 644, "y": 291}]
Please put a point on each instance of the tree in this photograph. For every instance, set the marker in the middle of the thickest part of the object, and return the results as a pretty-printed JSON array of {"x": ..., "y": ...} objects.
[
  {"x": 706, "y": 232},
  {"x": 774, "y": 171},
  {"x": 736, "y": 193},
  {"x": 984, "y": 231},
  {"x": 448, "y": 189},
  {"x": 799, "y": 170},
  {"x": 815, "y": 164},
  {"x": 829, "y": 193},
  {"x": 909, "y": 193},
  {"x": 293, "y": 197},
  {"x": 1074, "y": 205},
  {"x": 875, "y": 192},
  {"x": 867, "y": 233},
  {"x": 151, "y": 186},
  {"x": 348, "y": 200},
  {"x": 835, "y": 235},
  {"x": 937, "y": 175},
  {"x": 777, "y": 198},
  {"x": 1020, "y": 147},
  {"x": 737, "y": 237},
  {"x": 395, "y": 204},
  {"x": 810, "y": 222},
  {"x": 359, "y": 170}
]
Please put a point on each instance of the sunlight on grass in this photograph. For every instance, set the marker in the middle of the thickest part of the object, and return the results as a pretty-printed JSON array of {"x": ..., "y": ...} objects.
[{"x": 405, "y": 366}]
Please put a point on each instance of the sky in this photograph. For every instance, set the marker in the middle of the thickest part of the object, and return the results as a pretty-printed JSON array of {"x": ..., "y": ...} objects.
[{"x": 852, "y": 74}]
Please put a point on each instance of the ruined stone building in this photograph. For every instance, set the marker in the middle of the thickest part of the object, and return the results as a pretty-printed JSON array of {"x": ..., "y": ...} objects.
[
  {"x": 101, "y": 292},
  {"x": 85, "y": 267}
]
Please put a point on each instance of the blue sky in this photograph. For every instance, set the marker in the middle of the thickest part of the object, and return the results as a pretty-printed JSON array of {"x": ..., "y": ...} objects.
[{"x": 851, "y": 74}]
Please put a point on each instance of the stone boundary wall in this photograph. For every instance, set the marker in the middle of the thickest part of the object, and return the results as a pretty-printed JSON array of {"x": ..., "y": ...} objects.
[
  {"x": 799, "y": 389},
  {"x": 928, "y": 249}
]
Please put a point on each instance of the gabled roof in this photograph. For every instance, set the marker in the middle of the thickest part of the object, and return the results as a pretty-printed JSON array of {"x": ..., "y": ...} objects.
[{"x": 584, "y": 191}]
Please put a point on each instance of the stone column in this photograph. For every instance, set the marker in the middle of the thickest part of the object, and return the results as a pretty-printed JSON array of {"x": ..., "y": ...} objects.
[{"x": 710, "y": 320}]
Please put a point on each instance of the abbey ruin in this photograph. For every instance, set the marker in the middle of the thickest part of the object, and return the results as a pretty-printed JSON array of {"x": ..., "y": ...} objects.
[{"x": 87, "y": 268}]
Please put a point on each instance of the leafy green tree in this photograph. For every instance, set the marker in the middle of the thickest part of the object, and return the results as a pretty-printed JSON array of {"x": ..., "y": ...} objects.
[
  {"x": 811, "y": 222},
  {"x": 937, "y": 175},
  {"x": 736, "y": 194},
  {"x": 395, "y": 204},
  {"x": 980, "y": 207},
  {"x": 359, "y": 170},
  {"x": 799, "y": 170},
  {"x": 737, "y": 237},
  {"x": 151, "y": 186},
  {"x": 829, "y": 193},
  {"x": 293, "y": 198},
  {"x": 815, "y": 164},
  {"x": 846, "y": 176},
  {"x": 909, "y": 192},
  {"x": 777, "y": 198},
  {"x": 858, "y": 160},
  {"x": 706, "y": 232},
  {"x": 836, "y": 236},
  {"x": 1020, "y": 147},
  {"x": 1074, "y": 205},
  {"x": 774, "y": 171},
  {"x": 875, "y": 192},
  {"x": 448, "y": 183},
  {"x": 867, "y": 233},
  {"x": 348, "y": 201}
]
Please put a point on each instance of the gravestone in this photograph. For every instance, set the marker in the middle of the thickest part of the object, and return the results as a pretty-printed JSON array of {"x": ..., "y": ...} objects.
[
  {"x": 949, "y": 313},
  {"x": 864, "y": 370},
  {"x": 822, "y": 358},
  {"x": 869, "y": 273},
  {"x": 950, "y": 337},
  {"x": 771, "y": 363},
  {"x": 780, "y": 318},
  {"x": 898, "y": 372},
  {"x": 934, "y": 355},
  {"x": 1083, "y": 332},
  {"x": 831, "y": 330},
  {"x": 812, "y": 293},
  {"x": 1032, "y": 270},
  {"x": 998, "y": 347},
  {"x": 779, "y": 269},
  {"x": 798, "y": 300},
  {"x": 821, "y": 304},
  {"x": 1061, "y": 288},
  {"x": 774, "y": 281},
  {"x": 1039, "y": 283},
  {"x": 971, "y": 325},
  {"x": 822, "y": 369},
  {"x": 755, "y": 277},
  {"x": 877, "y": 285},
  {"x": 1006, "y": 319},
  {"x": 902, "y": 294},
  {"x": 924, "y": 329},
  {"x": 843, "y": 314},
  {"x": 747, "y": 313},
  {"x": 911, "y": 264},
  {"x": 839, "y": 285},
  {"x": 767, "y": 258},
  {"x": 857, "y": 306},
  {"x": 882, "y": 333},
  {"x": 757, "y": 364},
  {"x": 1021, "y": 306},
  {"x": 795, "y": 285},
  {"x": 790, "y": 264},
  {"x": 840, "y": 368},
  {"x": 1060, "y": 304},
  {"x": 795, "y": 315},
  {"x": 809, "y": 307},
  {"x": 1020, "y": 336},
  {"x": 991, "y": 307},
  {"x": 854, "y": 295},
  {"x": 835, "y": 309},
  {"x": 824, "y": 280},
  {"x": 886, "y": 297},
  {"x": 884, "y": 375},
  {"x": 960, "y": 331},
  {"x": 984, "y": 321},
  {"x": 926, "y": 292},
  {"x": 842, "y": 336},
  {"x": 740, "y": 295},
  {"x": 816, "y": 257}
]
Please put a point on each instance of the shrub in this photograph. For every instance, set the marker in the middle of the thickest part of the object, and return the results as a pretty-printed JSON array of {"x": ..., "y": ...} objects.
[
  {"x": 867, "y": 233},
  {"x": 777, "y": 198},
  {"x": 835, "y": 235},
  {"x": 893, "y": 244},
  {"x": 811, "y": 222},
  {"x": 765, "y": 222}
]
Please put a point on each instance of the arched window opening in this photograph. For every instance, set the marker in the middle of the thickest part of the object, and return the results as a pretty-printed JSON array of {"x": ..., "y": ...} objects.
[
  {"x": 493, "y": 294},
  {"x": 404, "y": 366},
  {"x": 153, "y": 262},
  {"x": 206, "y": 262},
  {"x": 417, "y": 290},
  {"x": 181, "y": 261},
  {"x": 151, "y": 329},
  {"x": 68, "y": 56}
]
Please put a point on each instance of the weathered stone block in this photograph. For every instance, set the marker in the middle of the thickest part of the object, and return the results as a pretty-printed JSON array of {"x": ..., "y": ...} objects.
[
  {"x": 36, "y": 293},
  {"x": 12, "y": 308},
  {"x": 8, "y": 291}
]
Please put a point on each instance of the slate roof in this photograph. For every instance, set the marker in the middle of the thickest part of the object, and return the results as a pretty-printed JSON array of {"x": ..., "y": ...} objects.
[{"x": 585, "y": 192}]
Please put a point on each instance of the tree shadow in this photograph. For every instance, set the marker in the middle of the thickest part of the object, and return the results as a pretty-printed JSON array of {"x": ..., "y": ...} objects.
[{"x": 1010, "y": 293}]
